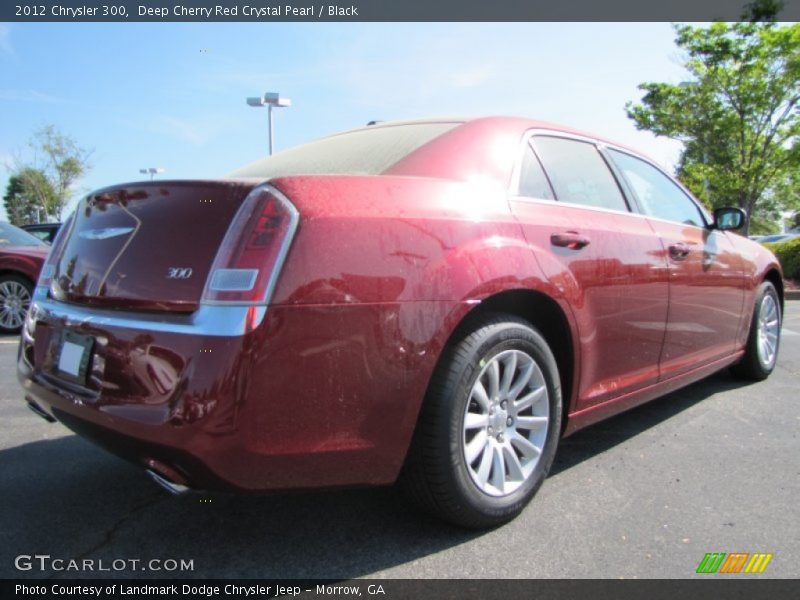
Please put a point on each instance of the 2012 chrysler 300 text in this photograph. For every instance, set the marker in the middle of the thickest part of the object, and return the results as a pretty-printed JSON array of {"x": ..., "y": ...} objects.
[{"x": 435, "y": 301}]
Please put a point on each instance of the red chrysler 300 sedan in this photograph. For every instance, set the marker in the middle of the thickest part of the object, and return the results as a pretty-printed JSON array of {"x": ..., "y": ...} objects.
[
  {"x": 21, "y": 258},
  {"x": 434, "y": 302}
]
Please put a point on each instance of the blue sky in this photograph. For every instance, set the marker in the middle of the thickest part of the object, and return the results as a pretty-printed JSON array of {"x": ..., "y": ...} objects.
[{"x": 173, "y": 95}]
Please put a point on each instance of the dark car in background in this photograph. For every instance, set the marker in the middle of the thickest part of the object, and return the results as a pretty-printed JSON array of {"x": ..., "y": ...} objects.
[
  {"x": 21, "y": 258},
  {"x": 435, "y": 302},
  {"x": 44, "y": 231}
]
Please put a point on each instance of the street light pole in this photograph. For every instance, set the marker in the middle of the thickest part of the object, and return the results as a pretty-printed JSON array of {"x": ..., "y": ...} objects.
[
  {"x": 270, "y": 100},
  {"x": 271, "y": 129}
]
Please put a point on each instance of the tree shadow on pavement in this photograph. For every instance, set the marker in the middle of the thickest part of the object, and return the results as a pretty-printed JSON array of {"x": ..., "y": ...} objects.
[{"x": 69, "y": 499}]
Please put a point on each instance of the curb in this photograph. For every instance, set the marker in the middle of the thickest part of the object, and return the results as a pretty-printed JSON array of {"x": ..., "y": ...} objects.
[{"x": 791, "y": 295}]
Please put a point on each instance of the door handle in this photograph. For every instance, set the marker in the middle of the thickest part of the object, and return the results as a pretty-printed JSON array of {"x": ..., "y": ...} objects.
[
  {"x": 678, "y": 251},
  {"x": 569, "y": 239}
]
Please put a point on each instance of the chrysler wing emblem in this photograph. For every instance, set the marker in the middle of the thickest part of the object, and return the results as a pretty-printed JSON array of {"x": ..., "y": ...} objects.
[{"x": 104, "y": 234}]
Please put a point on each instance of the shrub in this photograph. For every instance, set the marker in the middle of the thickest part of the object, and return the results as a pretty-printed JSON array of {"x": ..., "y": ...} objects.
[{"x": 788, "y": 254}]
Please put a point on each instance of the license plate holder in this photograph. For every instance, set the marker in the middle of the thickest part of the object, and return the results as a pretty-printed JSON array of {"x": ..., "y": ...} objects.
[{"x": 73, "y": 356}]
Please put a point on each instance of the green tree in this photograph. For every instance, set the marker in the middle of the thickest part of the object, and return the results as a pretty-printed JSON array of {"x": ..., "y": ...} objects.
[
  {"x": 737, "y": 116},
  {"x": 27, "y": 193},
  {"x": 58, "y": 163}
]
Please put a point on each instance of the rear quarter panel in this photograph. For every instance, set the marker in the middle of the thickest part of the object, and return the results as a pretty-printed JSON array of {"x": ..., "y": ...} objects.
[{"x": 379, "y": 274}]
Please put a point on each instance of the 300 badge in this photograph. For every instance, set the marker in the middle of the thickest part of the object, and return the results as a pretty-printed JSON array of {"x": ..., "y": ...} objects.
[{"x": 179, "y": 273}]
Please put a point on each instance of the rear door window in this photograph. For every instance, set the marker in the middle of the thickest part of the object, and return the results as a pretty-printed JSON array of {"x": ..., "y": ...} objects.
[{"x": 578, "y": 173}]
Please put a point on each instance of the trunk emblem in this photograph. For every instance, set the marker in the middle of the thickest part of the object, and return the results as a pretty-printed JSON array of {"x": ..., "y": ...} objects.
[{"x": 104, "y": 234}]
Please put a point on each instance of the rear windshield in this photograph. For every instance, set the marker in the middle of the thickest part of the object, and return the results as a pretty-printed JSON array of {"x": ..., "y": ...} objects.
[
  {"x": 362, "y": 152},
  {"x": 12, "y": 236}
]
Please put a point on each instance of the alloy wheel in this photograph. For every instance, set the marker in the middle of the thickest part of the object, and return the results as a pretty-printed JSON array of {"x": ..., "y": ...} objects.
[
  {"x": 769, "y": 324},
  {"x": 505, "y": 423},
  {"x": 15, "y": 299}
]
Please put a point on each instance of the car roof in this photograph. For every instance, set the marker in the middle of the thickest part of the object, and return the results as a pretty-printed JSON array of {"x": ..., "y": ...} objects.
[
  {"x": 486, "y": 147},
  {"x": 509, "y": 124}
]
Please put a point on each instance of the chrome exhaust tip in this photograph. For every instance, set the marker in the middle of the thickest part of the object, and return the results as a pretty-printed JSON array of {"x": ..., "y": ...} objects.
[
  {"x": 176, "y": 489},
  {"x": 40, "y": 411}
]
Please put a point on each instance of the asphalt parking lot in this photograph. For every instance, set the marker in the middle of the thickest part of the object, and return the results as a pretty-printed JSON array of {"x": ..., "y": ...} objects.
[{"x": 712, "y": 468}]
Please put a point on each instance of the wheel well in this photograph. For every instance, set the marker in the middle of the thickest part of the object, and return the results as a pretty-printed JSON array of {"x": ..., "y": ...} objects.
[
  {"x": 543, "y": 313},
  {"x": 775, "y": 279},
  {"x": 4, "y": 272}
]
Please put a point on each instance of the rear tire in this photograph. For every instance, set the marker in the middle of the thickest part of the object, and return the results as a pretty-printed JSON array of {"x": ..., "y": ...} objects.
[
  {"x": 15, "y": 299},
  {"x": 763, "y": 342},
  {"x": 489, "y": 426}
]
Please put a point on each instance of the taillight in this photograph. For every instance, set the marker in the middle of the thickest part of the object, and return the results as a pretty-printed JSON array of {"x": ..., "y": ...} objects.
[
  {"x": 251, "y": 255},
  {"x": 49, "y": 267}
]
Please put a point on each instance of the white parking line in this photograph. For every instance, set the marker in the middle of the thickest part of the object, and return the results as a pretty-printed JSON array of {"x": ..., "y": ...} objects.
[
  {"x": 785, "y": 331},
  {"x": 9, "y": 341}
]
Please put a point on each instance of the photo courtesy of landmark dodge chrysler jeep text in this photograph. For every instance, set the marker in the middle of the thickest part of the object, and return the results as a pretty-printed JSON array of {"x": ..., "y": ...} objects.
[{"x": 435, "y": 302}]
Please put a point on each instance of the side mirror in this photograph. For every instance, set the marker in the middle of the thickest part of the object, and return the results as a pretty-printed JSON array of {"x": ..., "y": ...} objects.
[{"x": 729, "y": 218}]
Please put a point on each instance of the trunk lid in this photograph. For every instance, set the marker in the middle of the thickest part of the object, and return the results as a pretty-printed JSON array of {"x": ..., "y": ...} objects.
[{"x": 147, "y": 245}]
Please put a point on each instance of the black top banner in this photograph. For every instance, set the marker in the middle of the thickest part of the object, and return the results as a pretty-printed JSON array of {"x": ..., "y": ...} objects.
[{"x": 380, "y": 10}]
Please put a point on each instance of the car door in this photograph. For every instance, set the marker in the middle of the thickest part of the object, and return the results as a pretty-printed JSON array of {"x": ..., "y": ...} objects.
[
  {"x": 605, "y": 260},
  {"x": 706, "y": 273}
]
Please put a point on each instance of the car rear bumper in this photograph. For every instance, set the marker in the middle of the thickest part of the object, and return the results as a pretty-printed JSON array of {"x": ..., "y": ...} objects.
[
  {"x": 229, "y": 398},
  {"x": 159, "y": 388}
]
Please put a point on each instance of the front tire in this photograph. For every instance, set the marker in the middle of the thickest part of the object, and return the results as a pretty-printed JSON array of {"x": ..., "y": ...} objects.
[
  {"x": 489, "y": 426},
  {"x": 761, "y": 351}
]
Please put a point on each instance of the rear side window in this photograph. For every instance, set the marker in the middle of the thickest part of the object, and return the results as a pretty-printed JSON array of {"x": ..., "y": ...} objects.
[
  {"x": 532, "y": 180},
  {"x": 368, "y": 151},
  {"x": 657, "y": 193},
  {"x": 40, "y": 235},
  {"x": 578, "y": 173},
  {"x": 12, "y": 236}
]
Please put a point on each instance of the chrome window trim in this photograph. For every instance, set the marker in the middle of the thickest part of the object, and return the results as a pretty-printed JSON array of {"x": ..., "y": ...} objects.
[
  {"x": 607, "y": 211},
  {"x": 516, "y": 172},
  {"x": 612, "y": 211},
  {"x": 697, "y": 204},
  {"x": 601, "y": 146}
]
